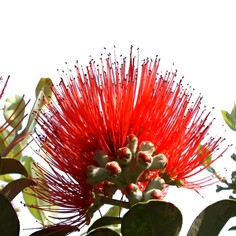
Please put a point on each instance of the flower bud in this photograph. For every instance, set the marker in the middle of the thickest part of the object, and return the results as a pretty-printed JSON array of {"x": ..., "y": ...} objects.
[
  {"x": 144, "y": 159},
  {"x": 159, "y": 162},
  {"x": 153, "y": 194},
  {"x": 147, "y": 146},
  {"x": 101, "y": 158},
  {"x": 96, "y": 174},
  {"x": 132, "y": 141},
  {"x": 133, "y": 193},
  {"x": 113, "y": 168},
  {"x": 124, "y": 155},
  {"x": 156, "y": 183}
]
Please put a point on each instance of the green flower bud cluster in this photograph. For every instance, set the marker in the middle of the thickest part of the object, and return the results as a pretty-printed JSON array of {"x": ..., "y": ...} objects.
[{"x": 131, "y": 166}]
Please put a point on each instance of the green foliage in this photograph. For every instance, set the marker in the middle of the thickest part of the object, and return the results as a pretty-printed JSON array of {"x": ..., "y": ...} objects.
[
  {"x": 211, "y": 220},
  {"x": 6, "y": 178},
  {"x": 44, "y": 85},
  {"x": 155, "y": 218},
  {"x": 203, "y": 149},
  {"x": 12, "y": 189},
  {"x": 29, "y": 199},
  {"x": 233, "y": 156},
  {"x": 105, "y": 222},
  {"x": 152, "y": 218},
  {"x": 113, "y": 211},
  {"x": 42, "y": 91},
  {"x": 232, "y": 228},
  {"x": 9, "y": 223},
  {"x": 8, "y": 144},
  {"x": 55, "y": 231},
  {"x": 230, "y": 118},
  {"x": 13, "y": 139},
  {"x": 10, "y": 166},
  {"x": 103, "y": 232},
  {"x": 14, "y": 111}
]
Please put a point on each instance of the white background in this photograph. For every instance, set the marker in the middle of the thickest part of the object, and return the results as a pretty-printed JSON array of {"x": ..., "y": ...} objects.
[{"x": 37, "y": 37}]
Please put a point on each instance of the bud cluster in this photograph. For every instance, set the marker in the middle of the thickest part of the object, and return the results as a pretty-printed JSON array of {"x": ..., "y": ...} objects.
[{"x": 133, "y": 165}]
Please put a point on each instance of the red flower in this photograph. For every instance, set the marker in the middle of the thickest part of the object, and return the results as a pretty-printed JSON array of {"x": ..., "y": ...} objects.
[{"x": 96, "y": 111}]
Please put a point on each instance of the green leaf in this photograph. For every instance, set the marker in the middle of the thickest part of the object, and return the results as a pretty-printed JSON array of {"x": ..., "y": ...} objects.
[
  {"x": 14, "y": 111},
  {"x": 55, "y": 231},
  {"x": 233, "y": 156},
  {"x": 29, "y": 199},
  {"x": 202, "y": 150},
  {"x": 12, "y": 189},
  {"x": 44, "y": 85},
  {"x": 113, "y": 211},
  {"x": 4, "y": 135},
  {"x": 152, "y": 218},
  {"x": 6, "y": 138},
  {"x": 42, "y": 90},
  {"x": 16, "y": 151},
  {"x": 105, "y": 221},
  {"x": 12, "y": 166},
  {"x": 6, "y": 178},
  {"x": 232, "y": 228},
  {"x": 9, "y": 223},
  {"x": 230, "y": 121},
  {"x": 233, "y": 112},
  {"x": 212, "y": 219},
  {"x": 103, "y": 232}
]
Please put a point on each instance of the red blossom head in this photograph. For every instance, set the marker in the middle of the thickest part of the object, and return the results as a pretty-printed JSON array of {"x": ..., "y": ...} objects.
[{"x": 102, "y": 110}]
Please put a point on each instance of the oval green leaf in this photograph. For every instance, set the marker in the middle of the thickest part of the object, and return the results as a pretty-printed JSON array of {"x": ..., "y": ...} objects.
[
  {"x": 232, "y": 228},
  {"x": 28, "y": 193},
  {"x": 213, "y": 218},
  {"x": 233, "y": 112},
  {"x": 12, "y": 166},
  {"x": 9, "y": 223},
  {"x": 105, "y": 221},
  {"x": 229, "y": 120},
  {"x": 55, "y": 231},
  {"x": 103, "y": 232},
  {"x": 11, "y": 190},
  {"x": 44, "y": 85},
  {"x": 152, "y": 218},
  {"x": 43, "y": 89}
]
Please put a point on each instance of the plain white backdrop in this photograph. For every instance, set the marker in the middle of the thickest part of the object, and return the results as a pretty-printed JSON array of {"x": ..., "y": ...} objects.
[{"x": 37, "y": 37}]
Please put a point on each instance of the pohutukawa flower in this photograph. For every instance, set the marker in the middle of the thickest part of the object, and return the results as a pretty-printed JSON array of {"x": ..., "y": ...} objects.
[{"x": 114, "y": 125}]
